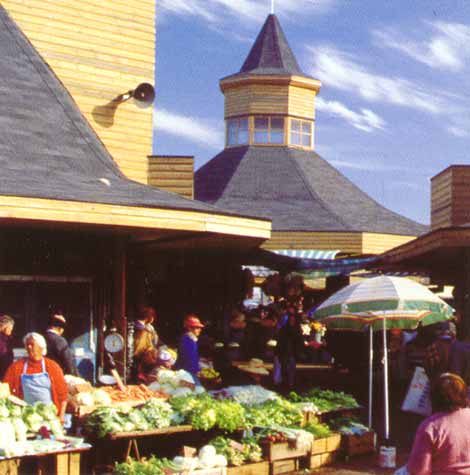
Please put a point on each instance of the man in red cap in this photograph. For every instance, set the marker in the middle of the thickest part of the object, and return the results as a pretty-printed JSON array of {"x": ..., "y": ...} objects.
[{"x": 188, "y": 351}]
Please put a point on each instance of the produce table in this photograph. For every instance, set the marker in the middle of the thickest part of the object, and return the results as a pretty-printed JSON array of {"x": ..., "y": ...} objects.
[
  {"x": 132, "y": 437},
  {"x": 59, "y": 462}
]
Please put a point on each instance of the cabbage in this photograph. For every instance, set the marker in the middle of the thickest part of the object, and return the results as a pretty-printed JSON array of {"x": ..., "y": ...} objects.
[
  {"x": 33, "y": 421},
  {"x": 4, "y": 411},
  {"x": 20, "y": 429},
  {"x": 207, "y": 451},
  {"x": 84, "y": 399},
  {"x": 101, "y": 398},
  {"x": 220, "y": 460},
  {"x": 47, "y": 411},
  {"x": 181, "y": 392},
  {"x": 7, "y": 434}
]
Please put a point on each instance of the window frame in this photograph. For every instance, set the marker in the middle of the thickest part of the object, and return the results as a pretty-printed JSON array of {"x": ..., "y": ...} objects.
[
  {"x": 269, "y": 130},
  {"x": 300, "y": 134},
  {"x": 237, "y": 121}
]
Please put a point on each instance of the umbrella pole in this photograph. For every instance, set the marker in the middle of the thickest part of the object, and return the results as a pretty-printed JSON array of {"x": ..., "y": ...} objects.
[
  {"x": 371, "y": 371},
  {"x": 386, "y": 408}
]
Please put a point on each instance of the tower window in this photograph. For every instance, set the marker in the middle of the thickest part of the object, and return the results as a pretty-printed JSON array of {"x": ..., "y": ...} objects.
[
  {"x": 237, "y": 132},
  {"x": 301, "y": 133},
  {"x": 269, "y": 130}
]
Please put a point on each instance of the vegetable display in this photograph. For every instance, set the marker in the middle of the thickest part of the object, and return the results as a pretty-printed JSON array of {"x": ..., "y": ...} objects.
[
  {"x": 325, "y": 400},
  {"x": 154, "y": 414},
  {"x": 151, "y": 466},
  {"x": 204, "y": 412},
  {"x": 248, "y": 451},
  {"x": 276, "y": 412}
]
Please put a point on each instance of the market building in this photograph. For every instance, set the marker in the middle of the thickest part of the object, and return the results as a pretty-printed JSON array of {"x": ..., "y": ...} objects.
[
  {"x": 443, "y": 253},
  {"x": 81, "y": 228},
  {"x": 269, "y": 167}
]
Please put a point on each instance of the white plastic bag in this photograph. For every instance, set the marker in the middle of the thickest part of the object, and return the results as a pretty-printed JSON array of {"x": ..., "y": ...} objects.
[
  {"x": 401, "y": 471},
  {"x": 417, "y": 398}
]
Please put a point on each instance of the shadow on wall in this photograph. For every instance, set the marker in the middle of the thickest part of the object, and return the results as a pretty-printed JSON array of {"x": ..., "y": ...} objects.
[{"x": 104, "y": 115}]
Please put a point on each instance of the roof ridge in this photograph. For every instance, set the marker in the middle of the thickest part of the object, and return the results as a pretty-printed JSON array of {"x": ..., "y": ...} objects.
[{"x": 313, "y": 193}]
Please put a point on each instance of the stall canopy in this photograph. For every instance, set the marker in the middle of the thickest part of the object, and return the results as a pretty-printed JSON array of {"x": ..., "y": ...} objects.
[{"x": 311, "y": 263}]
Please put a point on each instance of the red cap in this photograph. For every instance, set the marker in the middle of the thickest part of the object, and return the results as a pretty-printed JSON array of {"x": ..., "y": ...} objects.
[{"x": 192, "y": 321}]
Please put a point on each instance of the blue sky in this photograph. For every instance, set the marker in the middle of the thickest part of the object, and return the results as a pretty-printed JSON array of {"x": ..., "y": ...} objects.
[{"x": 394, "y": 105}]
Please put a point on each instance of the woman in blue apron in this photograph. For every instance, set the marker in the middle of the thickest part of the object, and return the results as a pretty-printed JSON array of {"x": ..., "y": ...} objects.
[{"x": 36, "y": 378}]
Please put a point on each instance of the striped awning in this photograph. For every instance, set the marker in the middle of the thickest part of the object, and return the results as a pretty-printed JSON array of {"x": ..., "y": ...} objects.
[{"x": 307, "y": 253}]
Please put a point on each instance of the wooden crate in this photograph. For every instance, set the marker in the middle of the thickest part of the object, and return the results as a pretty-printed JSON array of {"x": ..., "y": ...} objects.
[
  {"x": 259, "y": 468},
  {"x": 326, "y": 444},
  {"x": 358, "y": 444},
  {"x": 281, "y": 451},
  {"x": 320, "y": 460},
  {"x": 280, "y": 467},
  {"x": 9, "y": 467}
]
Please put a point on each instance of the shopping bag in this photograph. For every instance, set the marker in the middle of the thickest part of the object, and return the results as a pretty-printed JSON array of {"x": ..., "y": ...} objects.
[{"x": 418, "y": 399}]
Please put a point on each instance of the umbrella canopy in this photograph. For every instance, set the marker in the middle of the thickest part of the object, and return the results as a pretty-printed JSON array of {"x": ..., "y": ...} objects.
[{"x": 401, "y": 302}]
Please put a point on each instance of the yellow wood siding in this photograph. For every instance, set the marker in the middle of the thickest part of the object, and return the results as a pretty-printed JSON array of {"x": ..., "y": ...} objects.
[
  {"x": 256, "y": 99},
  {"x": 302, "y": 102},
  {"x": 46, "y": 210},
  {"x": 375, "y": 243},
  {"x": 360, "y": 243},
  {"x": 175, "y": 174},
  {"x": 345, "y": 242},
  {"x": 99, "y": 49}
]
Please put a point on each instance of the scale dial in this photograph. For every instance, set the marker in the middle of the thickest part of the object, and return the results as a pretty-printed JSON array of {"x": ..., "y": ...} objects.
[{"x": 114, "y": 343}]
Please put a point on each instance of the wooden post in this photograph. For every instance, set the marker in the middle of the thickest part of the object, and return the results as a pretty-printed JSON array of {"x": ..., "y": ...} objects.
[{"x": 119, "y": 300}]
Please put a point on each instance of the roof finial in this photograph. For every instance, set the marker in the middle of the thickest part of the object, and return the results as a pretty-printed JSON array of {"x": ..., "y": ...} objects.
[{"x": 272, "y": 7}]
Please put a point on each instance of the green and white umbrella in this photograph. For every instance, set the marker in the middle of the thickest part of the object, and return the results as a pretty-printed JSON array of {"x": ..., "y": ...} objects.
[
  {"x": 382, "y": 303},
  {"x": 402, "y": 302}
]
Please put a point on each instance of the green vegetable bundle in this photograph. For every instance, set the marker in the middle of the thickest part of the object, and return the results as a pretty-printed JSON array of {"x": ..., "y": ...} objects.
[
  {"x": 250, "y": 451},
  {"x": 154, "y": 414},
  {"x": 276, "y": 412},
  {"x": 203, "y": 412},
  {"x": 325, "y": 400},
  {"x": 151, "y": 466},
  {"x": 318, "y": 429}
]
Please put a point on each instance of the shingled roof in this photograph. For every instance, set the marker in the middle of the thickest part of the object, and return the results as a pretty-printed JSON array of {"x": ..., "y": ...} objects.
[
  {"x": 297, "y": 189},
  {"x": 48, "y": 149},
  {"x": 271, "y": 53}
]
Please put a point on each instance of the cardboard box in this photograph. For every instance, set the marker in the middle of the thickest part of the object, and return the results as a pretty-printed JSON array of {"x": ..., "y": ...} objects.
[{"x": 358, "y": 444}]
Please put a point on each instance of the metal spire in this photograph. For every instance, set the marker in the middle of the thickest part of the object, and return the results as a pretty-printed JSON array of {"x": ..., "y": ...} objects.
[{"x": 272, "y": 7}]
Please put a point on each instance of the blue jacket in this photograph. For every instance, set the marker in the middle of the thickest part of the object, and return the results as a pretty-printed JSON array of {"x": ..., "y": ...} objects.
[{"x": 188, "y": 354}]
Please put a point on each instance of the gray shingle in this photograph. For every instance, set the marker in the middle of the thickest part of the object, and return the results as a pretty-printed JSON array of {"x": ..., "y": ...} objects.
[
  {"x": 295, "y": 188},
  {"x": 48, "y": 149}
]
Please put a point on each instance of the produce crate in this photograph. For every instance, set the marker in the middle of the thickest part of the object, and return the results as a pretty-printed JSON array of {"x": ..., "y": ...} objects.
[
  {"x": 358, "y": 444},
  {"x": 206, "y": 471},
  {"x": 280, "y": 467},
  {"x": 320, "y": 460},
  {"x": 9, "y": 467},
  {"x": 326, "y": 444},
  {"x": 259, "y": 468},
  {"x": 281, "y": 450}
]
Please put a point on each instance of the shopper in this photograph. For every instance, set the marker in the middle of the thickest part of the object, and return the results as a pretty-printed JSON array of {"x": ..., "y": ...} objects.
[
  {"x": 57, "y": 346},
  {"x": 290, "y": 344},
  {"x": 437, "y": 355},
  {"x": 442, "y": 441},
  {"x": 188, "y": 351},
  {"x": 6, "y": 347},
  {"x": 36, "y": 378}
]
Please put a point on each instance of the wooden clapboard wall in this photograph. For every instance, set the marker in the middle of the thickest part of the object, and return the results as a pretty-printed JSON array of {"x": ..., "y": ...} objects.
[
  {"x": 99, "y": 49},
  {"x": 172, "y": 173},
  {"x": 450, "y": 197},
  {"x": 352, "y": 242}
]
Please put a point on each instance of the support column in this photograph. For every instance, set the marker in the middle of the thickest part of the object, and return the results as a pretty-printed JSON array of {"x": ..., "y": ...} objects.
[
  {"x": 118, "y": 306},
  {"x": 465, "y": 316}
]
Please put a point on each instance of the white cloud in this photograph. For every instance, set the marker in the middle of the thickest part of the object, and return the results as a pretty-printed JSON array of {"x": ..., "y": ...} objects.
[
  {"x": 192, "y": 129},
  {"x": 365, "y": 120},
  {"x": 221, "y": 11},
  {"x": 447, "y": 49},
  {"x": 340, "y": 70},
  {"x": 368, "y": 166}
]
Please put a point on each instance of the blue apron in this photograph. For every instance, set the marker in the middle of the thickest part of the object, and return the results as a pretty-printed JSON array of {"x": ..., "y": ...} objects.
[{"x": 36, "y": 387}]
